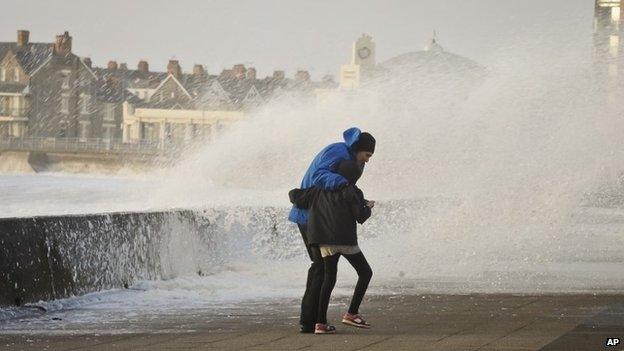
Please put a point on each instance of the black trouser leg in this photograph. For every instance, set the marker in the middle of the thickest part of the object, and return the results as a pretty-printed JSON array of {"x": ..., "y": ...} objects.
[
  {"x": 331, "y": 269},
  {"x": 310, "y": 300},
  {"x": 365, "y": 273}
]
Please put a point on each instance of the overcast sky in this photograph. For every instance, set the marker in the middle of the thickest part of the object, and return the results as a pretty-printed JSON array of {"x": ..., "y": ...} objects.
[{"x": 292, "y": 34}]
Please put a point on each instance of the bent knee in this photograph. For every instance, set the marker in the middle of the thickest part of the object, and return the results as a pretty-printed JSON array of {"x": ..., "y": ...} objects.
[
  {"x": 317, "y": 267},
  {"x": 366, "y": 273}
]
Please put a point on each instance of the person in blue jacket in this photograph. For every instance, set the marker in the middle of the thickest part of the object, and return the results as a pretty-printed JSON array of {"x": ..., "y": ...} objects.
[{"x": 357, "y": 146}]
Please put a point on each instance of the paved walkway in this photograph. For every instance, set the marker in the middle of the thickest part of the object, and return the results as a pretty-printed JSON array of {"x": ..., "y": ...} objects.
[{"x": 426, "y": 322}]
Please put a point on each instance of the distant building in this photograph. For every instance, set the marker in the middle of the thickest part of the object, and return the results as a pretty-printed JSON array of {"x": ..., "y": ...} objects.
[
  {"x": 184, "y": 107},
  {"x": 140, "y": 82},
  {"x": 45, "y": 90},
  {"x": 362, "y": 64},
  {"x": 433, "y": 60},
  {"x": 431, "y": 65},
  {"x": 608, "y": 38},
  {"x": 430, "y": 73}
]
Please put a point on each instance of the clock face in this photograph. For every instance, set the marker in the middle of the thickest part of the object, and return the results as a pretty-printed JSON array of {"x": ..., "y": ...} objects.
[{"x": 364, "y": 52}]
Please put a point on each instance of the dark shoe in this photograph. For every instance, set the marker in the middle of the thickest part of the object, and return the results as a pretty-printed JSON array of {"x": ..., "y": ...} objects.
[{"x": 306, "y": 329}]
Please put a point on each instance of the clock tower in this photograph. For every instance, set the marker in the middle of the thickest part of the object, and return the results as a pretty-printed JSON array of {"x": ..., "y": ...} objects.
[
  {"x": 364, "y": 52},
  {"x": 362, "y": 63}
]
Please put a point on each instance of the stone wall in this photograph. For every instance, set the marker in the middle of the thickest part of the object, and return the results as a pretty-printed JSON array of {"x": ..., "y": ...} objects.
[{"x": 45, "y": 258}]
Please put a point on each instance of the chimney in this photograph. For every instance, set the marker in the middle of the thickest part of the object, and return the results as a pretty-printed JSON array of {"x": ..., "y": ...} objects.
[
  {"x": 279, "y": 75},
  {"x": 239, "y": 71},
  {"x": 251, "y": 73},
  {"x": 112, "y": 65},
  {"x": 143, "y": 66},
  {"x": 174, "y": 69},
  {"x": 87, "y": 61},
  {"x": 198, "y": 70},
  {"x": 302, "y": 76},
  {"x": 22, "y": 37},
  {"x": 112, "y": 81},
  {"x": 63, "y": 44},
  {"x": 123, "y": 66}
]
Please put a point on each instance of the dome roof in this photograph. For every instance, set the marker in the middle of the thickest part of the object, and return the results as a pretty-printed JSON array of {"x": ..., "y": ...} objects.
[
  {"x": 432, "y": 59},
  {"x": 430, "y": 73}
]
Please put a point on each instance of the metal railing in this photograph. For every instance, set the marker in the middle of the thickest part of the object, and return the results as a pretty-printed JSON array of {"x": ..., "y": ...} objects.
[{"x": 89, "y": 145}]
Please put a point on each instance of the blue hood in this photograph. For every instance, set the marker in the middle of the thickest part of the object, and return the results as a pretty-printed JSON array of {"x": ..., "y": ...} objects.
[{"x": 351, "y": 135}]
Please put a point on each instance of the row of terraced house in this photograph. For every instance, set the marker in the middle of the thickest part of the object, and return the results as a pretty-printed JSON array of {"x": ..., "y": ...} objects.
[{"x": 47, "y": 91}]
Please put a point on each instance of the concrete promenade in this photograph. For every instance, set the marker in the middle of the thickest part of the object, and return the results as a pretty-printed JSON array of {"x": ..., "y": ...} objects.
[{"x": 414, "y": 322}]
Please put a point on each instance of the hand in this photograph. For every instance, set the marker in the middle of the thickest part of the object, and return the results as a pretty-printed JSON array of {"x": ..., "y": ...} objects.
[{"x": 370, "y": 204}]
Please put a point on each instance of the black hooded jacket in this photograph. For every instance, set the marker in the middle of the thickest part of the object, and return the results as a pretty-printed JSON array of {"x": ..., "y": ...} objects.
[{"x": 332, "y": 215}]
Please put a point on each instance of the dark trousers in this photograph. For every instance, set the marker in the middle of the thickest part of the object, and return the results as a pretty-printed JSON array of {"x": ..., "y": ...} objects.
[
  {"x": 316, "y": 273},
  {"x": 365, "y": 273}
]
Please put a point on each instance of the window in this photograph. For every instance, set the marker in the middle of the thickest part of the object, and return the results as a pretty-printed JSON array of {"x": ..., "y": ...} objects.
[
  {"x": 614, "y": 43},
  {"x": 65, "y": 104},
  {"x": 172, "y": 95},
  {"x": 85, "y": 99},
  {"x": 16, "y": 75},
  {"x": 66, "y": 81},
  {"x": 17, "y": 102},
  {"x": 63, "y": 129},
  {"x": 128, "y": 132},
  {"x": 108, "y": 132},
  {"x": 615, "y": 14},
  {"x": 84, "y": 130},
  {"x": 109, "y": 112},
  {"x": 2, "y": 74}
]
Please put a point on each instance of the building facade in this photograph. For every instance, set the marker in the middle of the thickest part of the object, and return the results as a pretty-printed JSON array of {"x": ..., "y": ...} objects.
[
  {"x": 63, "y": 91},
  {"x": 608, "y": 44},
  {"x": 197, "y": 105},
  {"x": 45, "y": 90}
]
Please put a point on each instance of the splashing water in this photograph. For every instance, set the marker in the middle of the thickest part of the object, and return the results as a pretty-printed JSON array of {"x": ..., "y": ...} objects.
[{"x": 480, "y": 177}]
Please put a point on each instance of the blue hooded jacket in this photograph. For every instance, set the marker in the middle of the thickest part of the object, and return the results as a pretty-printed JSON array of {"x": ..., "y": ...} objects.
[{"x": 320, "y": 173}]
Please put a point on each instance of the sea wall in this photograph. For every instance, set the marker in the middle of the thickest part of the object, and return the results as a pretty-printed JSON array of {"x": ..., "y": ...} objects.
[
  {"x": 15, "y": 161},
  {"x": 33, "y": 161},
  {"x": 52, "y": 257},
  {"x": 44, "y": 258}
]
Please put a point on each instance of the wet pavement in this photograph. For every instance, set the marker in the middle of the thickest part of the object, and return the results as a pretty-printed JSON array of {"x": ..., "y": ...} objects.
[{"x": 400, "y": 322}]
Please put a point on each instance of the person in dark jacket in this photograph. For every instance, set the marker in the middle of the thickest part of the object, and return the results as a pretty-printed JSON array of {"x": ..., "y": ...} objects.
[
  {"x": 358, "y": 146},
  {"x": 332, "y": 227}
]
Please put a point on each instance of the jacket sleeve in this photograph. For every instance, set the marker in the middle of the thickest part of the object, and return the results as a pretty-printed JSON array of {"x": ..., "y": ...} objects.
[
  {"x": 302, "y": 198},
  {"x": 360, "y": 194},
  {"x": 327, "y": 180},
  {"x": 324, "y": 176},
  {"x": 360, "y": 211}
]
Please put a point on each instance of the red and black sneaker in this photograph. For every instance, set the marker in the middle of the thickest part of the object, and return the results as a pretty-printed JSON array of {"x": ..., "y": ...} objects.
[
  {"x": 355, "y": 320},
  {"x": 321, "y": 328}
]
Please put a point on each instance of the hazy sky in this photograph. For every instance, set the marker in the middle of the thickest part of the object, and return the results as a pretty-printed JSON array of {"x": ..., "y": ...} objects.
[{"x": 269, "y": 34}]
